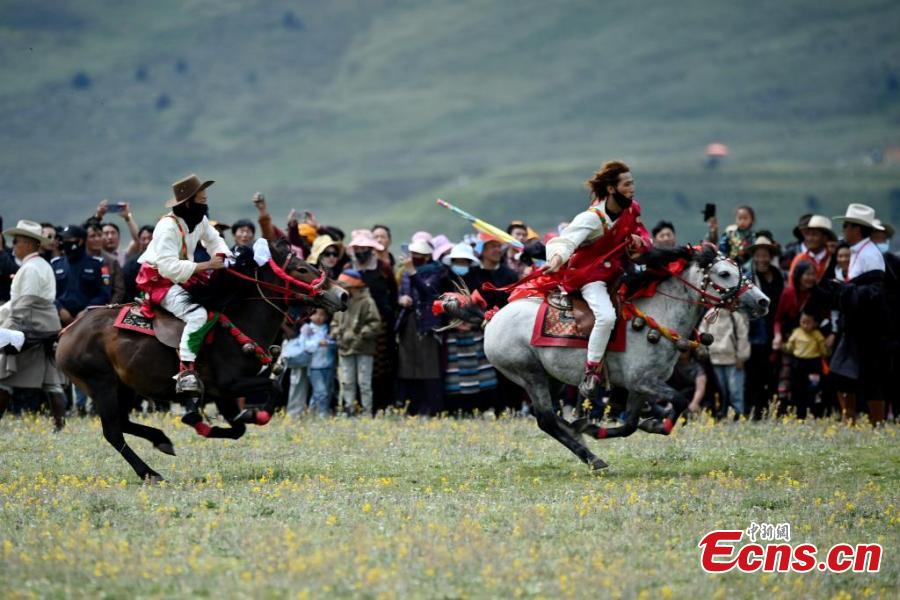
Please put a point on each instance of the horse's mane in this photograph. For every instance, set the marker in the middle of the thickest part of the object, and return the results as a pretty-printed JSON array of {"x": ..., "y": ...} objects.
[{"x": 657, "y": 260}]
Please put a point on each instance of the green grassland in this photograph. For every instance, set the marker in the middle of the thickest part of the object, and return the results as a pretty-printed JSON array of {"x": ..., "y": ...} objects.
[
  {"x": 410, "y": 508},
  {"x": 369, "y": 111}
]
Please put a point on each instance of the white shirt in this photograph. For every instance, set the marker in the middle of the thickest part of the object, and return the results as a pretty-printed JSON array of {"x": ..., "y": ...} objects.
[
  {"x": 165, "y": 249},
  {"x": 585, "y": 227},
  {"x": 34, "y": 278},
  {"x": 864, "y": 257}
]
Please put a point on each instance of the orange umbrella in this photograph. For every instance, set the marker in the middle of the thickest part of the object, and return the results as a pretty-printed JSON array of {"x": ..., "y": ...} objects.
[{"x": 716, "y": 149}]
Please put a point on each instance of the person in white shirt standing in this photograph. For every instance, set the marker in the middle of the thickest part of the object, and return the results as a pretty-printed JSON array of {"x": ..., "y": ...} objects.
[
  {"x": 31, "y": 310},
  {"x": 861, "y": 353},
  {"x": 168, "y": 268}
]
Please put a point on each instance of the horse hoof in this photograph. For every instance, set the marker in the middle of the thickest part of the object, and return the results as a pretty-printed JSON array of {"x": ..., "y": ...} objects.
[
  {"x": 262, "y": 417},
  {"x": 166, "y": 448},
  {"x": 597, "y": 464}
]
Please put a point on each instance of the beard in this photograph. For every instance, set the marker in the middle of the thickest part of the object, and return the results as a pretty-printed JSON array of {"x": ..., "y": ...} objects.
[
  {"x": 192, "y": 213},
  {"x": 623, "y": 201}
]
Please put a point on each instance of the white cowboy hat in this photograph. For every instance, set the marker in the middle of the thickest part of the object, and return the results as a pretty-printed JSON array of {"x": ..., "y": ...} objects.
[
  {"x": 25, "y": 228},
  {"x": 462, "y": 250},
  {"x": 819, "y": 222},
  {"x": 861, "y": 214},
  {"x": 420, "y": 246}
]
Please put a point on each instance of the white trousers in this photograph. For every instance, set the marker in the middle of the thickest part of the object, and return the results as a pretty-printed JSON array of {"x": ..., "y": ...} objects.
[
  {"x": 597, "y": 298},
  {"x": 178, "y": 302}
]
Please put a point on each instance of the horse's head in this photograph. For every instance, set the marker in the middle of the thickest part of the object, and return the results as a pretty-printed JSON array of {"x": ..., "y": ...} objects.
[
  {"x": 327, "y": 294},
  {"x": 723, "y": 284}
]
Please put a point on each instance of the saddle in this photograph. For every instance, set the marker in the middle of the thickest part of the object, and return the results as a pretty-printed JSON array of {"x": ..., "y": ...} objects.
[
  {"x": 566, "y": 320},
  {"x": 163, "y": 325}
]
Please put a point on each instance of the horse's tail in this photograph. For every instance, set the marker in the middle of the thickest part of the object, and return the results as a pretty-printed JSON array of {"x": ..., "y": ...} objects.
[{"x": 462, "y": 307}]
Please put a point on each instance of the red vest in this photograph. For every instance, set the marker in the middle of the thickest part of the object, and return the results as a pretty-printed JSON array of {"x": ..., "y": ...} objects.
[{"x": 604, "y": 258}]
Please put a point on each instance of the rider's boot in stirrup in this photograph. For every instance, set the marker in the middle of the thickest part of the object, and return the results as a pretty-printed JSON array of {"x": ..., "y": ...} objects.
[
  {"x": 188, "y": 389},
  {"x": 590, "y": 384}
]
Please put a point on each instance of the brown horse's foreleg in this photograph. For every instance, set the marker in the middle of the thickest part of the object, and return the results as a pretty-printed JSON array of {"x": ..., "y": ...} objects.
[{"x": 229, "y": 409}]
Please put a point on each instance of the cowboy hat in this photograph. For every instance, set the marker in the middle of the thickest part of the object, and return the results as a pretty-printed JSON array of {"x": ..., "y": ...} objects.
[
  {"x": 821, "y": 223},
  {"x": 462, "y": 250},
  {"x": 802, "y": 222},
  {"x": 320, "y": 244},
  {"x": 185, "y": 189},
  {"x": 219, "y": 226},
  {"x": 29, "y": 229},
  {"x": 420, "y": 247},
  {"x": 860, "y": 214},
  {"x": 886, "y": 227},
  {"x": 762, "y": 241},
  {"x": 363, "y": 238}
]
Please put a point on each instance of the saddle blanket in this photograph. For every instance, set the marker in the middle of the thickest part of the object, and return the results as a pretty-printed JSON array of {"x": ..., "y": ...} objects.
[
  {"x": 132, "y": 319},
  {"x": 555, "y": 327}
]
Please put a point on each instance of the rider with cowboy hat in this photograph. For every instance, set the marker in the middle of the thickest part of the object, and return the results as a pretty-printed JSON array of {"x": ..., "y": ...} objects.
[
  {"x": 594, "y": 247},
  {"x": 168, "y": 265}
]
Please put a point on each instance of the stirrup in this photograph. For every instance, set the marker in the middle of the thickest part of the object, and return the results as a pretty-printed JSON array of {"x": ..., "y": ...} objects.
[
  {"x": 187, "y": 383},
  {"x": 592, "y": 382}
]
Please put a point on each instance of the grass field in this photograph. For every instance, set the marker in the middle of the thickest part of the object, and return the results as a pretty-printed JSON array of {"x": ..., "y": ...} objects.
[{"x": 441, "y": 508}]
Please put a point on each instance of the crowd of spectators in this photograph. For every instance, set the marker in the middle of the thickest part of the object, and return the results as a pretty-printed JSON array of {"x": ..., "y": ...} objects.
[{"x": 825, "y": 348}]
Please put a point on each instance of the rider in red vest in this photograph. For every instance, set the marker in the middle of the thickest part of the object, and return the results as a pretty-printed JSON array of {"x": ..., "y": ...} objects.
[
  {"x": 593, "y": 250},
  {"x": 168, "y": 267}
]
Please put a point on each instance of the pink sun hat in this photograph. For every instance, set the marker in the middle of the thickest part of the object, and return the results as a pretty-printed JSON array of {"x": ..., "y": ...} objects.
[
  {"x": 363, "y": 238},
  {"x": 441, "y": 245}
]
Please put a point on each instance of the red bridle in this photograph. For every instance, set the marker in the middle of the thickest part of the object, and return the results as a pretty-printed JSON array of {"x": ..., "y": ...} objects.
[{"x": 307, "y": 290}]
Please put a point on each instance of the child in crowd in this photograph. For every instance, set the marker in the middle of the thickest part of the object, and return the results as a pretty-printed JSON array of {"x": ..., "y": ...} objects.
[
  {"x": 808, "y": 348},
  {"x": 356, "y": 333},
  {"x": 738, "y": 237},
  {"x": 316, "y": 341},
  {"x": 728, "y": 354}
]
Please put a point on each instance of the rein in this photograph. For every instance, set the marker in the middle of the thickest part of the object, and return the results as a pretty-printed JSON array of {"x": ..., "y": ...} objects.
[{"x": 726, "y": 299}]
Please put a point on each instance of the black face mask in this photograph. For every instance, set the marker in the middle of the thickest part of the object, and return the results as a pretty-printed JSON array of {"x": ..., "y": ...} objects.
[
  {"x": 192, "y": 213},
  {"x": 73, "y": 249},
  {"x": 363, "y": 257},
  {"x": 418, "y": 262}
]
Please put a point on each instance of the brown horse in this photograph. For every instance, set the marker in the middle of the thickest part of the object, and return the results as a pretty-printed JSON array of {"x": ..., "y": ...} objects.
[{"x": 107, "y": 362}]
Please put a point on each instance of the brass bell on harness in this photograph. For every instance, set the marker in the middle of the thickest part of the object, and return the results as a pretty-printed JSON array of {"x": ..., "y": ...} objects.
[
  {"x": 277, "y": 368},
  {"x": 683, "y": 345},
  {"x": 653, "y": 336},
  {"x": 248, "y": 348},
  {"x": 707, "y": 339},
  {"x": 275, "y": 351},
  {"x": 638, "y": 323}
]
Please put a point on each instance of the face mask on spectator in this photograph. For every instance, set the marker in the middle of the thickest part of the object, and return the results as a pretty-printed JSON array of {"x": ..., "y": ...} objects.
[
  {"x": 419, "y": 261},
  {"x": 883, "y": 246},
  {"x": 460, "y": 269},
  {"x": 363, "y": 256},
  {"x": 72, "y": 248}
]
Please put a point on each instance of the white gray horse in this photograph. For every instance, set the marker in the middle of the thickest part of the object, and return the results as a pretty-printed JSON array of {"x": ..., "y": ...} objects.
[{"x": 708, "y": 280}]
